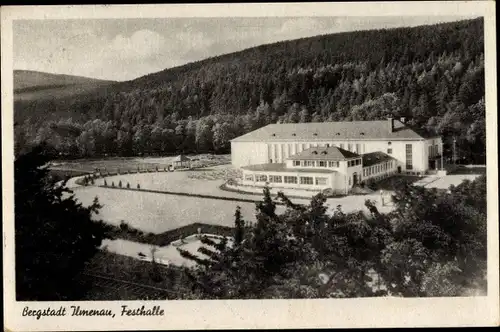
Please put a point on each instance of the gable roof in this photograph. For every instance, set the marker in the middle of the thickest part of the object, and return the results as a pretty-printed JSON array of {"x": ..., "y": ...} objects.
[
  {"x": 324, "y": 153},
  {"x": 349, "y": 130},
  {"x": 374, "y": 158}
]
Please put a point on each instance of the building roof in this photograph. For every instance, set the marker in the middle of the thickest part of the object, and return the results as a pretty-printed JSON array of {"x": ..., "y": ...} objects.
[
  {"x": 349, "y": 130},
  {"x": 324, "y": 153},
  {"x": 281, "y": 167},
  {"x": 180, "y": 158},
  {"x": 374, "y": 158}
]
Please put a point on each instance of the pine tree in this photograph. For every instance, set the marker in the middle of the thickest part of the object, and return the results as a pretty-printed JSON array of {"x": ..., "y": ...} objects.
[{"x": 49, "y": 253}]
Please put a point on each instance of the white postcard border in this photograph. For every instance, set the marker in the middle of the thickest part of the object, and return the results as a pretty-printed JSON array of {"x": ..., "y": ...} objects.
[{"x": 379, "y": 312}]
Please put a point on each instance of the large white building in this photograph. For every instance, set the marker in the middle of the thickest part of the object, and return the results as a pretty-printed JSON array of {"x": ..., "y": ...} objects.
[{"x": 333, "y": 154}]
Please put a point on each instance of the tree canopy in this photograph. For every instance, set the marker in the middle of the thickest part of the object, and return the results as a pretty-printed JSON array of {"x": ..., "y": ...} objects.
[
  {"x": 54, "y": 234},
  {"x": 433, "y": 75},
  {"x": 433, "y": 244}
]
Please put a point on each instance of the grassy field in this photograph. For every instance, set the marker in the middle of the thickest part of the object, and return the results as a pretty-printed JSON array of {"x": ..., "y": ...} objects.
[
  {"x": 203, "y": 182},
  {"x": 135, "y": 163},
  {"x": 59, "y": 174},
  {"x": 389, "y": 183},
  {"x": 158, "y": 213}
]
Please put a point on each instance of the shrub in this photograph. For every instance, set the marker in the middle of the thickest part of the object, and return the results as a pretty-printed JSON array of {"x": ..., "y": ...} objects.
[
  {"x": 138, "y": 186},
  {"x": 120, "y": 184},
  {"x": 124, "y": 226},
  {"x": 328, "y": 192},
  {"x": 92, "y": 181},
  {"x": 105, "y": 183},
  {"x": 128, "y": 185},
  {"x": 372, "y": 184},
  {"x": 113, "y": 184},
  {"x": 157, "y": 168}
]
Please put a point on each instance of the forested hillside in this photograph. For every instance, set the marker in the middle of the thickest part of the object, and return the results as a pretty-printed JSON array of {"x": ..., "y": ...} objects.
[{"x": 434, "y": 75}]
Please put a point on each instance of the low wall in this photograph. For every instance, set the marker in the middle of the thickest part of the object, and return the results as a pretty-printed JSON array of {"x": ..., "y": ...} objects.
[{"x": 289, "y": 192}]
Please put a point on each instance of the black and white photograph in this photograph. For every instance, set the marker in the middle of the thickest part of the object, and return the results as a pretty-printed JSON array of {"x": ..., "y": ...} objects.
[{"x": 159, "y": 160}]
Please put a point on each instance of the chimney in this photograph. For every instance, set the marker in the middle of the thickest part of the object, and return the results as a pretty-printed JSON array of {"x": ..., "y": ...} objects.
[{"x": 390, "y": 123}]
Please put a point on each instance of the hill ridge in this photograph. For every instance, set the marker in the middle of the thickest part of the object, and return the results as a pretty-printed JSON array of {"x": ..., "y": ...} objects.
[{"x": 431, "y": 74}]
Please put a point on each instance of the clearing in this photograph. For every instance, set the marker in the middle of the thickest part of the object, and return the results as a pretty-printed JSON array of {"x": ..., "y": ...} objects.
[{"x": 157, "y": 213}]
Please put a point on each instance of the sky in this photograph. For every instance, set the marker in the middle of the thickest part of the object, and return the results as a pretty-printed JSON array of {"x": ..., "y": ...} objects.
[{"x": 124, "y": 49}]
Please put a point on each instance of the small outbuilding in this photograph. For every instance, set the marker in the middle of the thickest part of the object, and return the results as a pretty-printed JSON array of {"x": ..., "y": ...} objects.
[{"x": 181, "y": 161}]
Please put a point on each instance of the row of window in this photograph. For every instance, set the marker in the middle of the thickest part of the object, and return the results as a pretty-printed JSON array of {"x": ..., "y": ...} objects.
[
  {"x": 375, "y": 169},
  {"x": 315, "y": 163},
  {"x": 324, "y": 163},
  {"x": 308, "y": 180},
  {"x": 287, "y": 149},
  {"x": 354, "y": 162}
]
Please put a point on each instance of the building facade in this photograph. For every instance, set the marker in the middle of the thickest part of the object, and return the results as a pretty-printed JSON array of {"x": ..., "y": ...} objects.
[
  {"x": 414, "y": 152},
  {"x": 314, "y": 168},
  {"x": 320, "y": 168}
]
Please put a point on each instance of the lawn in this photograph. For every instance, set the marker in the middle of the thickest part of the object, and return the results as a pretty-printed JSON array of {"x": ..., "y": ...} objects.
[
  {"x": 202, "y": 182},
  {"x": 468, "y": 170},
  {"x": 388, "y": 184},
  {"x": 58, "y": 175},
  {"x": 132, "y": 164},
  {"x": 157, "y": 213}
]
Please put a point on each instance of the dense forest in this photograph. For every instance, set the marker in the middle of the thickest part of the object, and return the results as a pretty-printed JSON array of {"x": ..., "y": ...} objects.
[
  {"x": 433, "y": 244},
  {"x": 433, "y": 75}
]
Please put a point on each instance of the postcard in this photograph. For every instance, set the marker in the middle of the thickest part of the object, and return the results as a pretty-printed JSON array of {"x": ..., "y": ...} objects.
[{"x": 227, "y": 166}]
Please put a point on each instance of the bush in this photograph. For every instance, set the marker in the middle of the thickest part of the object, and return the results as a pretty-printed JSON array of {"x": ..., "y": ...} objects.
[
  {"x": 120, "y": 184},
  {"x": 372, "y": 184},
  {"x": 113, "y": 184},
  {"x": 328, "y": 192},
  {"x": 128, "y": 185},
  {"x": 105, "y": 183},
  {"x": 124, "y": 226},
  {"x": 138, "y": 186}
]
